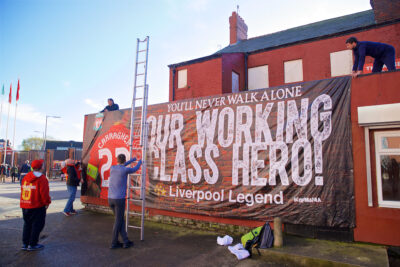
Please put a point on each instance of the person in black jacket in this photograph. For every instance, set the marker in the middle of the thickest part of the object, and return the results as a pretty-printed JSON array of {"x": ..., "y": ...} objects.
[
  {"x": 382, "y": 53},
  {"x": 25, "y": 169},
  {"x": 72, "y": 184},
  {"x": 111, "y": 106}
]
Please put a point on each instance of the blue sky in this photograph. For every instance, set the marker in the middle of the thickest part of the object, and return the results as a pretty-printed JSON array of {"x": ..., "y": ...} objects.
[{"x": 72, "y": 55}]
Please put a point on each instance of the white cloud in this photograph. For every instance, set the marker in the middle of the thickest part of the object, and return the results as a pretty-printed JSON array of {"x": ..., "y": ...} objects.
[
  {"x": 93, "y": 104},
  {"x": 25, "y": 112}
]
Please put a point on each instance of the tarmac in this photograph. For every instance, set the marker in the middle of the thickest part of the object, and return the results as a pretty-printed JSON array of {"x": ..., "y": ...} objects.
[{"x": 84, "y": 240}]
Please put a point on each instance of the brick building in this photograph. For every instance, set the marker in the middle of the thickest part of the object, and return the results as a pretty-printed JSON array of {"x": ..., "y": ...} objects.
[
  {"x": 305, "y": 53},
  {"x": 313, "y": 52}
]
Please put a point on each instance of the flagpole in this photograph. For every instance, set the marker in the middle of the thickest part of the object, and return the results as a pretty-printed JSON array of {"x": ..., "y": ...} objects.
[
  {"x": 15, "y": 121},
  {"x": 5, "y": 147},
  {"x": 13, "y": 142},
  {"x": 8, "y": 118},
  {"x": 1, "y": 109}
]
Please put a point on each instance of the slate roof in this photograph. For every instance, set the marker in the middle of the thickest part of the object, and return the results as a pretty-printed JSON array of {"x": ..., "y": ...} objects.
[
  {"x": 318, "y": 30},
  {"x": 302, "y": 33}
]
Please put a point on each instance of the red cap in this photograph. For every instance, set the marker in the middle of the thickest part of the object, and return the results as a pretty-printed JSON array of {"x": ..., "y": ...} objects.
[{"x": 37, "y": 164}]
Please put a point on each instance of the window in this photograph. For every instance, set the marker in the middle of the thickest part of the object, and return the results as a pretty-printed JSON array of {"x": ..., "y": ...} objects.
[
  {"x": 341, "y": 63},
  {"x": 235, "y": 82},
  {"x": 293, "y": 71},
  {"x": 387, "y": 147},
  {"x": 182, "y": 78},
  {"x": 258, "y": 77}
]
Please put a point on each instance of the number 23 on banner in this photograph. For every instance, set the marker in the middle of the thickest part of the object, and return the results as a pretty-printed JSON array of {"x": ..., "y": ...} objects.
[{"x": 106, "y": 152}]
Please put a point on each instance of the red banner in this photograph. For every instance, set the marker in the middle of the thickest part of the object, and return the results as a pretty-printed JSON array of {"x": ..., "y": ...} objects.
[{"x": 284, "y": 151}]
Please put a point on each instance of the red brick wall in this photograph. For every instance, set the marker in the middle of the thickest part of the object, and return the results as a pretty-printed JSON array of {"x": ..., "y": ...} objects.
[
  {"x": 232, "y": 62},
  {"x": 316, "y": 55},
  {"x": 386, "y": 10},
  {"x": 207, "y": 78},
  {"x": 203, "y": 79},
  {"x": 374, "y": 224}
]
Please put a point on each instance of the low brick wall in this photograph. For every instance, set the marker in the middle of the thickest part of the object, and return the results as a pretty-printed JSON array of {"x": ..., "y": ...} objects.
[{"x": 221, "y": 228}]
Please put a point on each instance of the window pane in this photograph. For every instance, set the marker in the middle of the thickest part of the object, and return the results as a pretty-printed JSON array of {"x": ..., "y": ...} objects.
[
  {"x": 390, "y": 177},
  {"x": 293, "y": 71},
  {"x": 235, "y": 82},
  {"x": 341, "y": 63},
  {"x": 390, "y": 142},
  {"x": 182, "y": 78},
  {"x": 258, "y": 77}
]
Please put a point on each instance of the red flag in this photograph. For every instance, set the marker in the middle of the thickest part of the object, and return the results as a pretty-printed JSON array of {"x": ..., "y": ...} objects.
[
  {"x": 18, "y": 91},
  {"x": 9, "y": 96}
]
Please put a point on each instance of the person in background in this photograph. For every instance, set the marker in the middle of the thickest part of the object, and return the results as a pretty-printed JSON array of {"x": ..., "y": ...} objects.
[
  {"x": 3, "y": 173},
  {"x": 24, "y": 170},
  {"x": 14, "y": 173},
  {"x": 34, "y": 201},
  {"x": 382, "y": 53},
  {"x": 8, "y": 170},
  {"x": 111, "y": 106},
  {"x": 72, "y": 185},
  {"x": 116, "y": 198},
  {"x": 78, "y": 170}
]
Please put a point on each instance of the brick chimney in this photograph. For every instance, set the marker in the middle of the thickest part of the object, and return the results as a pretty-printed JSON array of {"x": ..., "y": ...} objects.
[
  {"x": 385, "y": 10},
  {"x": 237, "y": 28}
]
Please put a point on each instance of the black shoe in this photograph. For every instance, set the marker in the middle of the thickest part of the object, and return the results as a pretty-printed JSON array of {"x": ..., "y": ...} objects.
[
  {"x": 128, "y": 244},
  {"x": 114, "y": 246},
  {"x": 24, "y": 247},
  {"x": 34, "y": 248}
]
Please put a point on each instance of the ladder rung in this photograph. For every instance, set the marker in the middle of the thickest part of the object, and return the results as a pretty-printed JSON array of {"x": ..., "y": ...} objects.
[
  {"x": 135, "y": 174},
  {"x": 138, "y": 86},
  {"x": 135, "y": 213},
  {"x": 135, "y": 187},
  {"x": 135, "y": 199},
  {"x": 139, "y": 74},
  {"x": 138, "y": 98},
  {"x": 140, "y": 62},
  {"x": 144, "y": 50},
  {"x": 136, "y": 148},
  {"x": 133, "y": 226}
]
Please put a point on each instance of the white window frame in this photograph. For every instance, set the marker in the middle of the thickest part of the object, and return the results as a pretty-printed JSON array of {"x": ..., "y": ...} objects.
[
  {"x": 289, "y": 77},
  {"x": 182, "y": 78},
  {"x": 341, "y": 63},
  {"x": 254, "y": 79},
  {"x": 380, "y": 151},
  {"x": 236, "y": 88}
]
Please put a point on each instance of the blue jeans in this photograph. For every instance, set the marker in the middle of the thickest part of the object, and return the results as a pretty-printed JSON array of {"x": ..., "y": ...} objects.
[{"x": 72, "y": 192}]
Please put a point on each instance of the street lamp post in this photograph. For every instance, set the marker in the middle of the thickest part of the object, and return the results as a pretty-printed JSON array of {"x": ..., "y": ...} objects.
[{"x": 45, "y": 141}]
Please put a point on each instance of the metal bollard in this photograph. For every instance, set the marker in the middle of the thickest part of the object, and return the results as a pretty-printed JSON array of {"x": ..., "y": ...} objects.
[{"x": 278, "y": 239}]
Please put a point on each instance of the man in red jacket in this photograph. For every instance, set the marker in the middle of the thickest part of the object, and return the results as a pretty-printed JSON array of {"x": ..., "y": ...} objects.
[{"x": 35, "y": 199}]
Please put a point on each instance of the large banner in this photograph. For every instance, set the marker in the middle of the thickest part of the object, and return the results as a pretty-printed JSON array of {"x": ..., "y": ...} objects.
[{"x": 283, "y": 151}]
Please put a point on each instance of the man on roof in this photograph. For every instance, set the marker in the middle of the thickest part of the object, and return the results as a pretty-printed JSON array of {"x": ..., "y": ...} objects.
[
  {"x": 382, "y": 53},
  {"x": 111, "y": 106}
]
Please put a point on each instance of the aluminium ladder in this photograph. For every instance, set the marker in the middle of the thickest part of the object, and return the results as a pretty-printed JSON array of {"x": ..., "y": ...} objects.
[{"x": 137, "y": 181}]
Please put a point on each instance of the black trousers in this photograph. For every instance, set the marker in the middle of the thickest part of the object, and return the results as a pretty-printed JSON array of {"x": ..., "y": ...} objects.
[
  {"x": 388, "y": 58},
  {"x": 118, "y": 208},
  {"x": 34, "y": 220}
]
